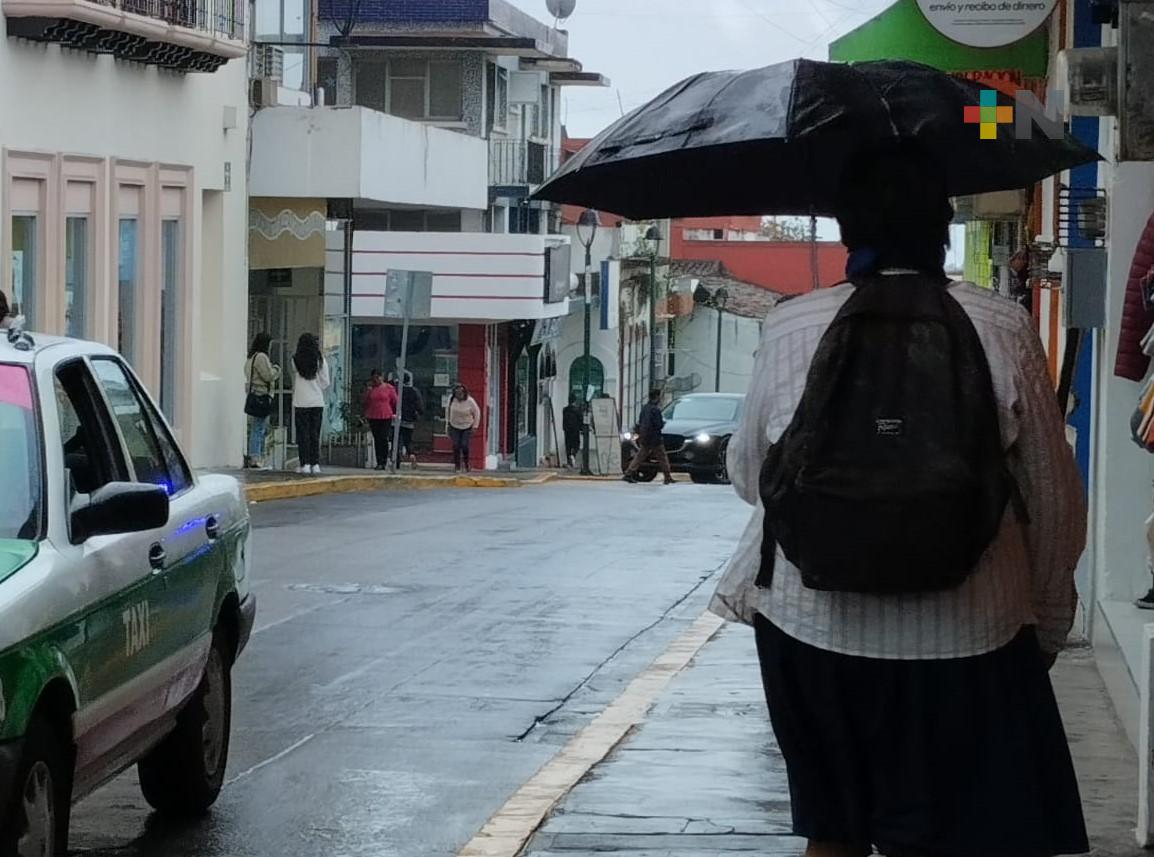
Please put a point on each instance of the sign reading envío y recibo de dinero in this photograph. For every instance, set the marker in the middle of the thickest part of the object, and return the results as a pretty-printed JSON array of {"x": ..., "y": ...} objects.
[{"x": 986, "y": 23}]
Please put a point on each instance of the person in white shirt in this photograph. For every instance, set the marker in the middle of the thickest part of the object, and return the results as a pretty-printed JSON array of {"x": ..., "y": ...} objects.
[
  {"x": 919, "y": 724},
  {"x": 310, "y": 381}
]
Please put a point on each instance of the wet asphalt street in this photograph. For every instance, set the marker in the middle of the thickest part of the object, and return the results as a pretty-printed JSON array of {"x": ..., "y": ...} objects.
[{"x": 419, "y": 655}]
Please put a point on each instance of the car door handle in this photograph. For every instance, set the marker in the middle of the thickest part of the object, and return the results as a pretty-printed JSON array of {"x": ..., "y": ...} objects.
[
  {"x": 212, "y": 527},
  {"x": 157, "y": 557}
]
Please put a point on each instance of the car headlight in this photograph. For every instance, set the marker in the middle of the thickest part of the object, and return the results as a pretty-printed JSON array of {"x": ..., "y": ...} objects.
[
  {"x": 704, "y": 438},
  {"x": 628, "y": 436}
]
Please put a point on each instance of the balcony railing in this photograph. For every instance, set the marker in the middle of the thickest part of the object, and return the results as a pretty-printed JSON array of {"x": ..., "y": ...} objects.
[
  {"x": 520, "y": 162},
  {"x": 183, "y": 35},
  {"x": 224, "y": 18}
]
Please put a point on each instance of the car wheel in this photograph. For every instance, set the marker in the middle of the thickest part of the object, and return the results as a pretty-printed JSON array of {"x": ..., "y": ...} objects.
[
  {"x": 723, "y": 473},
  {"x": 36, "y": 819},
  {"x": 646, "y": 475},
  {"x": 184, "y": 774}
]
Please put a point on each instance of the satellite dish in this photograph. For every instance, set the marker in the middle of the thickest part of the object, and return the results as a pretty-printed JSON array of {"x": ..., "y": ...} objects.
[{"x": 561, "y": 9}]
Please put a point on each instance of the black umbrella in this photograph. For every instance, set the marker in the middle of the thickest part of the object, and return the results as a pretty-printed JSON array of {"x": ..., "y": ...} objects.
[{"x": 776, "y": 140}]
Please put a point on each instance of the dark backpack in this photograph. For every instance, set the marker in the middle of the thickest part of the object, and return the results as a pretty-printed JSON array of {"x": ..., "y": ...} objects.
[{"x": 891, "y": 478}]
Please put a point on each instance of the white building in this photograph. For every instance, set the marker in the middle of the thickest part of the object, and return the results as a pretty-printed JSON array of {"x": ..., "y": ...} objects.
[
  {"x": 122, "y": 201},
  {"x": 433, "y": 124}
]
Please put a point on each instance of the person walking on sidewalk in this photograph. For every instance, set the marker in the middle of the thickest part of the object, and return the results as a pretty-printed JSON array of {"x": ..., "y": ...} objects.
[
  {"x": 310, "y": 380},
  {"x": 464, "y": 416},
  {"x": 571, "y": 424},
  {"x": 261, "y": 375},
  {"x": 650, "y": 440},
  {"x": 380, "y": 411},
  {"x": 412, "y": 409},
  {"x": 915, "y": 715}
]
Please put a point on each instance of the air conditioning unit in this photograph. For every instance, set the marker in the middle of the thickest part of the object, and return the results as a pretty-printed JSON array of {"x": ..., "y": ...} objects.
[
  {"x": 267, "y": 63},
  {"x": 1090, "y": 80},
  {"x": 263, "y": 93}
]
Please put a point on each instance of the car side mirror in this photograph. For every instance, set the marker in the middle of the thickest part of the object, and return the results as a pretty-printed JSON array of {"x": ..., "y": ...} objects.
[{"x": 119, "y": 507}]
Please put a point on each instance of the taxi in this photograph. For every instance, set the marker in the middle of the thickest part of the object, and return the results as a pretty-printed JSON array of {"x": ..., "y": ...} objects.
[{"x": 123, "y": 595}]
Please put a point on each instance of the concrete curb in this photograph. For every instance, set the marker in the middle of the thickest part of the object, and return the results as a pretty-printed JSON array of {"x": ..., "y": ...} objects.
[
  {"x": 507, "y": 832},
  {"x": 294, "y": 489}
]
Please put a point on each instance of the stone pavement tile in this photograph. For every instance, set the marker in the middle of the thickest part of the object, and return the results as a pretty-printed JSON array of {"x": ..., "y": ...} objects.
[
  {"x": 1103, "y": 756},
  {"x": 702, "y": 776}
]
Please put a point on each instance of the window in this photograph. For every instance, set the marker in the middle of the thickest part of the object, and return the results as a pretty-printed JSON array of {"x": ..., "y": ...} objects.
[
  {"x": 171, "y": 316},
  {"x": 25, "y": 254},
  {"x": 411, "y": 88},
  {"x": 327, "y": 79},
  {"x": 151, "y": 451},
  {"x": 545, "y": 114},
  {"x": 21, "y": 512},
  {"x": 446, "y": 99},
  {"x": 497, "y": 97},
  {"x": 699, "y": 409},
  {"x": 409, "y": 220},
  {"x": 76, "y": 265},
  {"x": 407, "y": 84},
  {"x": 443, "y": 221},
  {"x": 577, "y": 377},
  {"x": 90, "y": 452},
  {"x": 370, "y": 84},
  {"x": 127, "y": 267}
]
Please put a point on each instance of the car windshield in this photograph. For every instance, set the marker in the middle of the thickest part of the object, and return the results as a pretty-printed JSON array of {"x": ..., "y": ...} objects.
[
  {"x": 22, "y": 491},
  {"x": 702, "y": 409}
]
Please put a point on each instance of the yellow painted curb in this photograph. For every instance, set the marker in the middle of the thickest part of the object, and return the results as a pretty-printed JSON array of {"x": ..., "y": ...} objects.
[
  {"x": 507, "y": 832},
  {"x": 298, "y": 488}
]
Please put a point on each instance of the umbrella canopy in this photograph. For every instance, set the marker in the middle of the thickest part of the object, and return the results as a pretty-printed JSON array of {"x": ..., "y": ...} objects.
[{"x": 776, "y": 140}]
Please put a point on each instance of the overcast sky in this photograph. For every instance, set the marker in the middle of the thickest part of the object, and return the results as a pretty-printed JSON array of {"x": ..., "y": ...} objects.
[{"x": 645, "y": 46}]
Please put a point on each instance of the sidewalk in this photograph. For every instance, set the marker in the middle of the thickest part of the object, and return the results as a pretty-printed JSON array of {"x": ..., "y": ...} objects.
[
  {"x": 702, "y": 776},
  {"x": 265, "y": 485}
]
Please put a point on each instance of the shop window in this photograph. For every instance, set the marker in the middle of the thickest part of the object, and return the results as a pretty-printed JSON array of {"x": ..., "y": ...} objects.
[
  {"x": 577, "y": 377},
  {"x": 171, "y": 315},
  {"x": 128, "y": 266},
  {"x": 25, "y": 277},
  {"x": 76, "y": 267}
]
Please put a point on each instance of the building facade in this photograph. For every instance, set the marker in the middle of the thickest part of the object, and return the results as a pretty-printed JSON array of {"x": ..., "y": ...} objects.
[
  {"x": 122, "y": 197},
  {"x": 427, "y": 127}
]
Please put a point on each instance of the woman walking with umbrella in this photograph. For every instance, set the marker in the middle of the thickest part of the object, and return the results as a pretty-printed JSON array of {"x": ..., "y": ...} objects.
[{"x": 916, "y": 720}]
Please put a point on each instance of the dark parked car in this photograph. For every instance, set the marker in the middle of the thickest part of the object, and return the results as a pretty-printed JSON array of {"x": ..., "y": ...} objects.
[{"x": 697, "y": 433}]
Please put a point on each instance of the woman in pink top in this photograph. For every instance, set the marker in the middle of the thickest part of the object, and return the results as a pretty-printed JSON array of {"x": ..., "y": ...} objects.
[{"x": 380, "y": 410}]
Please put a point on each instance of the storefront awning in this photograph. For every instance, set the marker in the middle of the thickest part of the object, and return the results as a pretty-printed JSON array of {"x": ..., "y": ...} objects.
[{"x": 902, "y": 32}]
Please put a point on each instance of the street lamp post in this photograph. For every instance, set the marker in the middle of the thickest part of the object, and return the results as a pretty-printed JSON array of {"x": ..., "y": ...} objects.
[
  {"x": 587, "y": 234},
  {"x": 720, "y": 299},
  {"x": 653, "y": 236}
]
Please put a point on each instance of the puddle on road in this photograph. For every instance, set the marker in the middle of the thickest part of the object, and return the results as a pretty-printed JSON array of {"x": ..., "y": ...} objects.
[{"x": 344, "y": 588}]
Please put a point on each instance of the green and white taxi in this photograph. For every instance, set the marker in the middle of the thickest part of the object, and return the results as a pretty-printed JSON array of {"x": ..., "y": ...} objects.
[{"x": 123, "y": 595}]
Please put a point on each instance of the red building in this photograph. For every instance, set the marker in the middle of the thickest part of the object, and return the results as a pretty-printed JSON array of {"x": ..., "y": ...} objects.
[{"x": 784, "y": 267}]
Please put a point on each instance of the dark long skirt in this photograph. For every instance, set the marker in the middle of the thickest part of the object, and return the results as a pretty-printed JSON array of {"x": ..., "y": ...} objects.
[{"x": 948, "y": 758}]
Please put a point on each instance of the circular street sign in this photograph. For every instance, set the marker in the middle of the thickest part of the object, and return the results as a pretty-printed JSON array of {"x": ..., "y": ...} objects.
[{"x": 986, "y": 23}]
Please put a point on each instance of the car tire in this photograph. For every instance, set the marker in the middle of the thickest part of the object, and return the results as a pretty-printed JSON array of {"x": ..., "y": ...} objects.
[
  {"x": 723, "y": 473},
  {"x": 184, "y": 774},
  {"x": 645, "y": 475},
  {"x": 36, "y": 820}
]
